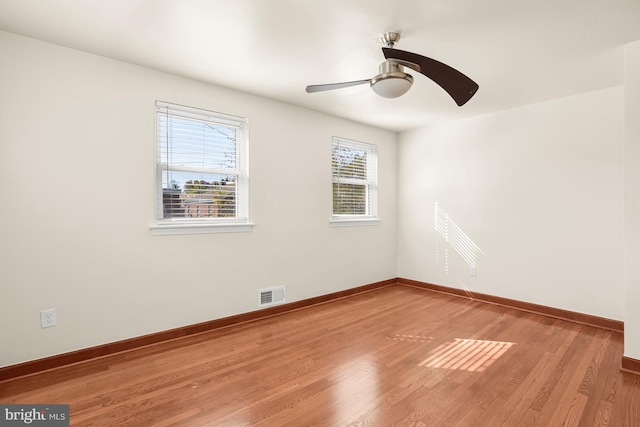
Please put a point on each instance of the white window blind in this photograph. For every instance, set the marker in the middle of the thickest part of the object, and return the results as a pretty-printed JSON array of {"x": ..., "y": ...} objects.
[
  {"x": 201, "y": 166},
  {"x": 354, "y": 174}
]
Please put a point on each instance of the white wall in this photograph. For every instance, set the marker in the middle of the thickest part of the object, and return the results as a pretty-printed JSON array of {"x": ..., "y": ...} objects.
[
  {"x": 632, "y": 201},
  {"x": 537, "y": 194},
  {"x": 77, "y": 171}
]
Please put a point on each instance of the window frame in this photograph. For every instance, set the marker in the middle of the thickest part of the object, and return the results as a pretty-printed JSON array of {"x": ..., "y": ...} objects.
[
  {"x": 240, "y": 222},
  {"x": 371, "y": 183}
]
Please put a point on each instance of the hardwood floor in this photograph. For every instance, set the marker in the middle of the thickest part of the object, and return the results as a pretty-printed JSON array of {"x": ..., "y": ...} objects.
[{"x": 394, "y": 356}]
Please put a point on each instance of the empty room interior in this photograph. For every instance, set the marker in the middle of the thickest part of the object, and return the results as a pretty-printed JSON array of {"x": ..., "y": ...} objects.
[{"x": 337, "y": 213}]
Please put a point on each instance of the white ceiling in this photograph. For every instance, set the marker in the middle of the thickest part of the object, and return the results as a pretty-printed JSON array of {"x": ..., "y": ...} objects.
[{"x": 519, "y": 52}]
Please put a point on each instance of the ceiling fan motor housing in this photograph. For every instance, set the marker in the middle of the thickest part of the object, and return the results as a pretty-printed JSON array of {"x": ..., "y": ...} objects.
[{"x": 392, "y": 81}]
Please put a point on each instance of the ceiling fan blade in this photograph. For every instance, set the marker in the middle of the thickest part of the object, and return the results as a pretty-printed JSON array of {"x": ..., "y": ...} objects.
[
  {"x": 331, "y": 86},
  {"x": 460, "y": 87}
]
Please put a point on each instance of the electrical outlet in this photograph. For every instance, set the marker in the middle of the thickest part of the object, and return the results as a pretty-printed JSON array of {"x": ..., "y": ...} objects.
[
  {"x": 473, "y": 270},
  {"x": 48, "y": 318}
]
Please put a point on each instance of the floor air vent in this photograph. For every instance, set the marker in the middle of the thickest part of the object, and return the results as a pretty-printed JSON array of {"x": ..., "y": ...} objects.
[{"x": 271, "y": 296}]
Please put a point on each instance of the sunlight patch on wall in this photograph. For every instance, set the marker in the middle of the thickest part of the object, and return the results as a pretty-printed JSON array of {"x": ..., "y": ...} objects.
[
  {"x": 458, "y": 240},
  {"x": 466, "y": 354}
]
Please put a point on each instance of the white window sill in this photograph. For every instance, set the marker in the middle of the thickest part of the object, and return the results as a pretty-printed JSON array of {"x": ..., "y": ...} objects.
[
  {"x": 354, "y": 222},
  {"x": 167, "y": 229}
]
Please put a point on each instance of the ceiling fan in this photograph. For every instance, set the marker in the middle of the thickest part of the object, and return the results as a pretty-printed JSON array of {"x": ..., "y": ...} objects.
[{"x": 392, "y": 81}]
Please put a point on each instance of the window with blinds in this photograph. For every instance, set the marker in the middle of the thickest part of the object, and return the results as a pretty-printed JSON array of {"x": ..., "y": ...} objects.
[
  {"x": 354, "y": 175},
  {"x": 201, "y": 166}
]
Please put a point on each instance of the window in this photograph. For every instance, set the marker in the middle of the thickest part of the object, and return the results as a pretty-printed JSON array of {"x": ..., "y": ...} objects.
[
  {"x": 354, "y": 175},
  {"x": 202, "y": 180}
]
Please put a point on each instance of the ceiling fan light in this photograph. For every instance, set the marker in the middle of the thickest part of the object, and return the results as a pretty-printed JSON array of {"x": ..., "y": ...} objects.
[{"x": 392, "y": 87}]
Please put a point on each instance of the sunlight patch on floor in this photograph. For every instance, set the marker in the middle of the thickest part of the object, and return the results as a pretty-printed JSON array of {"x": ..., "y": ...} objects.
[
  {"x": 410, "y": 338},
  {"x": 466, "y": 354}
]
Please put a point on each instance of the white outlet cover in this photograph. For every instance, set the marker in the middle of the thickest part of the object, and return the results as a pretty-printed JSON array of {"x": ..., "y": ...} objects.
[{"x": 48, "y": 318}]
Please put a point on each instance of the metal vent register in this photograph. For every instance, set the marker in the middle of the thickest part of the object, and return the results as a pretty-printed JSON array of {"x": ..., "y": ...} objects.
[{"x": 271, "y": 296}]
